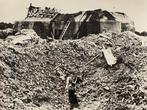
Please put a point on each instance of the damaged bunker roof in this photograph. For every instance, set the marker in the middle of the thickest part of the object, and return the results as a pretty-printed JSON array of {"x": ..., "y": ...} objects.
[
  {"x": 94, "y": 15},
  {"x": 122, "y": 17},
  {"x": 37, "y": 19},
  {"x": 51, "y": 14},
  {"x": 91, "y": 15}
]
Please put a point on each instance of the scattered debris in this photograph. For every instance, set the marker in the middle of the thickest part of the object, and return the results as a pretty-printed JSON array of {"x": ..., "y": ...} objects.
[
  {"x": 23, "y": 37},
  {"x": 6, "y": 32},
  {"x": 33, "y": 76}
]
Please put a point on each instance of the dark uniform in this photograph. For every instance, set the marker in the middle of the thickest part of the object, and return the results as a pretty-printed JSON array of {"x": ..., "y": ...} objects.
[{"x": 72, "y": 96}]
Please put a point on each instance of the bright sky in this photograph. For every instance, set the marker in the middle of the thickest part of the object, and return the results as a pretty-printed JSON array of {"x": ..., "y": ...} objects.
[{"x": 14, "y": 10}]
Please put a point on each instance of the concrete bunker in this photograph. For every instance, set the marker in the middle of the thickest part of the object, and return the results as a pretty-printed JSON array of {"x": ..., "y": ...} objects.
[{"x": 49, "y": 22}]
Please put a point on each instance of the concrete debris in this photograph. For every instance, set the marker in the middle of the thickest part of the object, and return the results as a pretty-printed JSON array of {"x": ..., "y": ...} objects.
[
  {"x": 23, "y": 37},
  {"x": 6, "y": 32},
  {"x": 33, "y": 76},
  {"x": 111, "y": 60},
  {"x": 41, "y": 13}
]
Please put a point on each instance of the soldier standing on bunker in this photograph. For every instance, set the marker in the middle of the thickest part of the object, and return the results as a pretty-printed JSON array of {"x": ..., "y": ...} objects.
[{"x": 70, "y": 89}]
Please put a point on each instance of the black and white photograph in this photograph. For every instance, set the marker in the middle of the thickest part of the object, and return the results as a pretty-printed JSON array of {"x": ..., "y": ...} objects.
[{"x": 73, "y": 54}]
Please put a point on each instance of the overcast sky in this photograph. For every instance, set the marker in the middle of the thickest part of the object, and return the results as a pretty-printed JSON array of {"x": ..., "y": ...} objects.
[{"x": 13, "y": 10}]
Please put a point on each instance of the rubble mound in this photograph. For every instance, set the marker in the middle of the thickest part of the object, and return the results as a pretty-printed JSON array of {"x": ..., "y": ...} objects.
[
  {"x": 6, "y": 32},
  {"x": 23, "y": 37},
  {"x": 33, "y": 77}
]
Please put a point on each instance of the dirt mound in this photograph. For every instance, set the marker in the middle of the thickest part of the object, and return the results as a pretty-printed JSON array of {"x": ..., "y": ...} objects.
[{"x": 34, "y": 76}]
